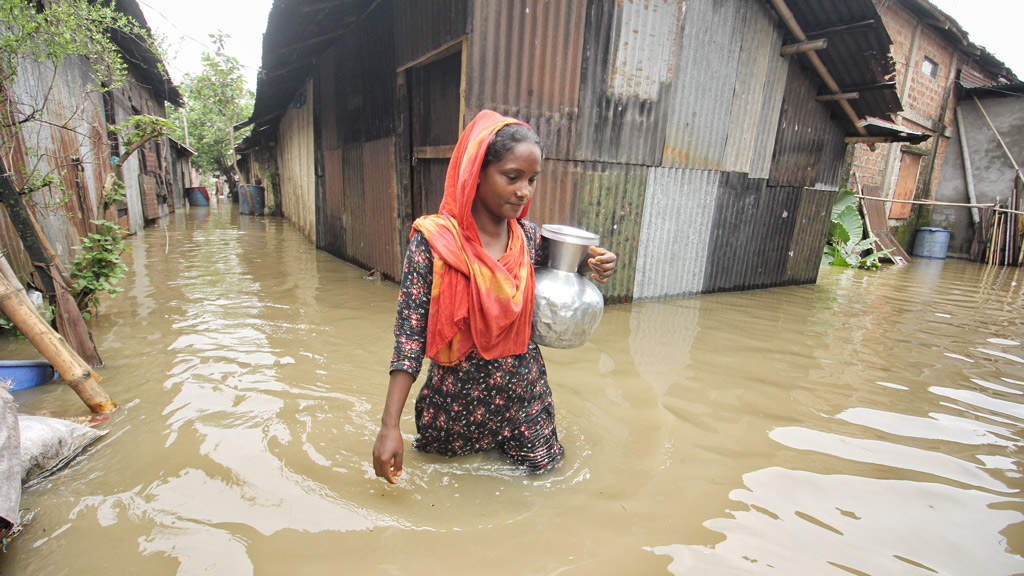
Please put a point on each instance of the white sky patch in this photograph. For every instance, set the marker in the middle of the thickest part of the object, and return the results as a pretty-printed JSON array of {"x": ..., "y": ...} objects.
[
  {"x": 992, "y": 24},
  {"x": 189, "y": 23}
]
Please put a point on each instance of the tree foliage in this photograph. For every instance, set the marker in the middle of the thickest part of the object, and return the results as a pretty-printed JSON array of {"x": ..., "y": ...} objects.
[
  {"x": 215, "y": 100},
  {"x": 52, "y": 32},
  {"x": 66, "y": 28}
]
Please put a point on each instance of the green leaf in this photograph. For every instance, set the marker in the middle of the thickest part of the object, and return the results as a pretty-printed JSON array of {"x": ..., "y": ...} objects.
[
  {"x": 843, "y": 200},
  {"x": 851, "y": 222}
]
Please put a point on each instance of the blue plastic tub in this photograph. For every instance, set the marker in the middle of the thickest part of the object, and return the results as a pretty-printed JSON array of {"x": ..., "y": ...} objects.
[
  {"x": 931, "y": 243},
  {"x": 198, "y": 196},
  {"x": 25, "y": 374}
]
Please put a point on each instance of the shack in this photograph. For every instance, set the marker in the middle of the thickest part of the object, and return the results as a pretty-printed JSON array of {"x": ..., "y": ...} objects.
[
  {"x": 75, "y": 146},
  {"x": 704, "y": 140},
  {"x": 936, "y": 63}
]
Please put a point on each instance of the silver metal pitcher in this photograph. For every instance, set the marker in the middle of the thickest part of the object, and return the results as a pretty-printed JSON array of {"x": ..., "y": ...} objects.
[{"x": 567, "y": 306}]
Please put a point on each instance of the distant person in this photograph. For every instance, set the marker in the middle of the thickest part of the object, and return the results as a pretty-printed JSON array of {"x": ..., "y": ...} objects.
[{"x": 466, "y": 302}]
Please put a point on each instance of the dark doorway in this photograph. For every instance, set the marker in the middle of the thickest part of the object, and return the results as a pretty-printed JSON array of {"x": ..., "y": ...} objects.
[{"x": 436, "y": 118}]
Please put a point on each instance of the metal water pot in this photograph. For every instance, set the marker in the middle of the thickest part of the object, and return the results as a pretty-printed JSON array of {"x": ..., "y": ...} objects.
[{"x": 567, "y": 306}]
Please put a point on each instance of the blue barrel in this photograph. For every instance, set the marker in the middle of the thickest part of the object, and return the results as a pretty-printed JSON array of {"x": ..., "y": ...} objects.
[
  {"x": 25, "y": 374},
  {"x": 931, "y": 243},
  {"x": 197, "y": 196},
  {"x": 258, "y": 201}
]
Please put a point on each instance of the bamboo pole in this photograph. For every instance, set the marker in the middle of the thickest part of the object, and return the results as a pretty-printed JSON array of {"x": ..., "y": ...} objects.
[
  {"x": 968, "y": 169},
  {"x": 817, "y": 64},
  {"x": 938, "y": 203},
  {"x": 12, "y": 278},
  {"x": 993, "y": 255},
  {"x": 54, "y": 348}
]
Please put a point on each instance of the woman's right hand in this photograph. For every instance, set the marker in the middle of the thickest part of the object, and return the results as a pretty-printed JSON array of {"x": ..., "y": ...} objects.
[{"x": 387, "y": 453}]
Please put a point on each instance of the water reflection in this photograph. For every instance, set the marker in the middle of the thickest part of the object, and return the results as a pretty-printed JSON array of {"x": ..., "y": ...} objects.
[
  {"x": 800, "y": 522},
  {"x": 870, "y": 424}
]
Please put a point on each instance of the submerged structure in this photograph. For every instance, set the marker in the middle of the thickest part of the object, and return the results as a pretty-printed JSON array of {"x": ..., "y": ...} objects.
[
  {"x": 69, "y": 140},
  {"x": 703, "y": 140},
  {"x": 937, "y": 69}
]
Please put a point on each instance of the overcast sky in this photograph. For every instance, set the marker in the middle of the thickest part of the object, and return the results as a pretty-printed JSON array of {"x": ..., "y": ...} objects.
[
  {"x": 187, "y": 24},
  {"x": 994, "y": 24}
]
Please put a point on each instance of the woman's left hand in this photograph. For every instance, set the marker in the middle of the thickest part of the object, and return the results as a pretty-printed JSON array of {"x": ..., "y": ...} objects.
[{"x": 602, "y": 264}]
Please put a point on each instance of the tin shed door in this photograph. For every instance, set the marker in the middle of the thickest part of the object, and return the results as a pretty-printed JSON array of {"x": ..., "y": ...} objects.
[{"x": 435, "y": 102}]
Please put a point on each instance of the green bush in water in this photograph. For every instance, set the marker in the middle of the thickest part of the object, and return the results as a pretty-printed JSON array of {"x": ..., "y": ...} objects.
[
  {"x": 98, "y": 266},
  {"x": 846, "y": 245}
]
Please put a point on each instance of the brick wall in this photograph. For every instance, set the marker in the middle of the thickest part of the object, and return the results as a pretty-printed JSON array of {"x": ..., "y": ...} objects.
[{"x": 924, "y": 97}]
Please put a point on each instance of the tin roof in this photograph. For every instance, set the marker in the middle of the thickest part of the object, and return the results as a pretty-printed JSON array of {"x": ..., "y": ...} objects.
[
  {"x": 146, "y": 63},
  {"x": 297, "y": 33},
  {"x": 858, "y": 54}
]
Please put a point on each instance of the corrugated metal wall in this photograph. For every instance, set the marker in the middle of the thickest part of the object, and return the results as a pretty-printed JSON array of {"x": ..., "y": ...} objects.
[
  {"x": 295, "y": 163},
  {"x": 364, "y": 83},
  {"x": 524, "y": 61},
  {"x": 371, "y": 230},
  {"x": 812, "y": 222},
  {"x": 807, "y": 145},
  {"x": 757, "y": 94},
  {"x": 422, "y": 27},
  {"x": 622, "y": 112},
  {"x": 674, "y": 236},
  {"x": 611, "y": 204},
  {"x": 772, "y": 234},
  {"x": 672, "y": 128},
  {"x": 46, "y": 149},
  {"x": 732, "y": 232},
  {"x": 702, "y": 98},
  {"x": 331, "y": 213},
  {"x": 379, "y": 204},
  {"x": 330, "y": 216}
]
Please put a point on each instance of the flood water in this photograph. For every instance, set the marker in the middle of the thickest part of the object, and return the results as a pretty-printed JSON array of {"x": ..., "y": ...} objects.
[{"x": 872, "y": 423}]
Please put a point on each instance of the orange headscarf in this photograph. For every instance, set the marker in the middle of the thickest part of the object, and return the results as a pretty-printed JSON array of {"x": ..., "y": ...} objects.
[{"x": 476, "y": 301}]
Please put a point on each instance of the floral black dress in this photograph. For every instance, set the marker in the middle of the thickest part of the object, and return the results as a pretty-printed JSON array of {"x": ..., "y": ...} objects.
[{"x": 476, "y": 404}]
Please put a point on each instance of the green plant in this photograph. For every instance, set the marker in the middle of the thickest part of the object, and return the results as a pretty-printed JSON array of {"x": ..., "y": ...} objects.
[
  {"x": 98, "y": 266},
  {"x": 846, "y": 245}
]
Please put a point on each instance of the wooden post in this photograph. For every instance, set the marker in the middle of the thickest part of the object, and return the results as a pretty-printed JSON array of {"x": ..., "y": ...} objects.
[{"x": 54, "y": 348}]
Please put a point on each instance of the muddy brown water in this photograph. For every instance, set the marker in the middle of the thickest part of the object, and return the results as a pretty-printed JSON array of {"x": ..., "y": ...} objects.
[{"x": 869, "y": 424}]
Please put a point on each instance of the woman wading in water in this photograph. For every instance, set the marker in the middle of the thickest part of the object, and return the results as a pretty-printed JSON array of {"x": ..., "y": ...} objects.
[{"x": 466, "y": 302}]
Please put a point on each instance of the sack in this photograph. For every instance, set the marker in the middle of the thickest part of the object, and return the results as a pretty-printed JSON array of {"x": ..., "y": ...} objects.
[
  {"x": 10, "y": 463},
  {"x": 49, "y": 443}
]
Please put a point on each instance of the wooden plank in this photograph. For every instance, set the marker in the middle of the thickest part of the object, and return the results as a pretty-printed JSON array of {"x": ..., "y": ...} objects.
[
  {"x": 878, "y": 225},
  {"x": 433, "y": 151},
  {"x": 906, "y": 184},
  {"x": 801, "y": 47}
]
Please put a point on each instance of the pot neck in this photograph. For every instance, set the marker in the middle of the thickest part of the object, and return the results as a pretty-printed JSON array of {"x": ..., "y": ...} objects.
[{"x": 566, "y": 256}]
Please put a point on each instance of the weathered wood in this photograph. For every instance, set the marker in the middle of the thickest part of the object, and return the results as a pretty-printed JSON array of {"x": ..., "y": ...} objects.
[
  {"x": 802, "y": 47},
  {"x": 869, "y": 140},
  {"x": 840, "y": 96},
  {"x": 433, "y": 152},
  {"x": 838, "y": 30},
  {"x": 19, "y": 216}
]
